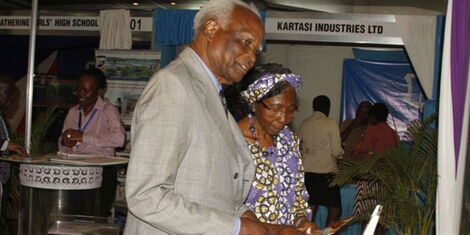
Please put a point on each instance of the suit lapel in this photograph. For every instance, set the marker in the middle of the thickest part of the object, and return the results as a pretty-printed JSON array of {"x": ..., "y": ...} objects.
[{"x": 208, "y": 94}]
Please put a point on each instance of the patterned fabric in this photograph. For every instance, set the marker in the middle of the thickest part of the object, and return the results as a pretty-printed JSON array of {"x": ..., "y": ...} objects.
[
  {"x": 263, "y": 85},
  {"x": 365, "y": 202},
  {"x": 378, "y": 139},
  {"x": 278, "y": 193}
]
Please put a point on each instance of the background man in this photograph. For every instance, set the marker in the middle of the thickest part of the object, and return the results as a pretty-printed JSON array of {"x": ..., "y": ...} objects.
[
  {"x": 94, "y": 125},
  {"x": 190, "y": 170},
  {"x": 7, "y": 94},
  {"x": 321, "y": 148}
]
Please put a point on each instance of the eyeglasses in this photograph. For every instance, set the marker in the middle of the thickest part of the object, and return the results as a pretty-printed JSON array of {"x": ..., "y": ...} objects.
[
  {"x": 280, "y": 109},
  {"x": 84, "y": 90}
]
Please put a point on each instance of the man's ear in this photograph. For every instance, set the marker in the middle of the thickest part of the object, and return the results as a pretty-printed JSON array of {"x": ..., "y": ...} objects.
[{"x": 210, "y": 28}]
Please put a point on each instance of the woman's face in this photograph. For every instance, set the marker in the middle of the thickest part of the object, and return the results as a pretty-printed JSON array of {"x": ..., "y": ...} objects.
[{"x": 274, "y": 113}]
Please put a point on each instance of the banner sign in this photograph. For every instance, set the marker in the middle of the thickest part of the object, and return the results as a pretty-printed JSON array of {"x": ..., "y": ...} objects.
[
  {"x": 396, "y": 85},
  {"x": 83, "y": 23},
  {"x": 330, "y": 27},
  {"x": 290, "y": 26},
  {"x": 128, "y": 72},
  {"x": 354, "y": 28}
]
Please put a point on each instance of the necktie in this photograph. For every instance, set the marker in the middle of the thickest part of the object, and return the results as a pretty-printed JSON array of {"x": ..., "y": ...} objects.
[{"x": 224, "y": 101}]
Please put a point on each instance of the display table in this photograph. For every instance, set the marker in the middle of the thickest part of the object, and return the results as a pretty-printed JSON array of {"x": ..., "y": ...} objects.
[
  {"x": 49, "y": 188},
  {"x": 60, "y": 177}
]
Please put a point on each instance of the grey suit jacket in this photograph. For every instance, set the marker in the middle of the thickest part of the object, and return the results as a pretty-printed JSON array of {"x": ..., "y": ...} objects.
[{"x": 189, "y": 170}]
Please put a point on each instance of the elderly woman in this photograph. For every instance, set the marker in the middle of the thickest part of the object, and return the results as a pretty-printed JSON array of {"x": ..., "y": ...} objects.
[{"x": 278, "y": 194}]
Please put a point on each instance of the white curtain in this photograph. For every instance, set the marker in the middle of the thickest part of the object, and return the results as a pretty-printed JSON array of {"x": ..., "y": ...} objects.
[
  {"x": 115, "y": 32},
  {"x": 419, "y": 35},
  {"x": 321, "y": 68},
  {"x": 451, "y": 173}
]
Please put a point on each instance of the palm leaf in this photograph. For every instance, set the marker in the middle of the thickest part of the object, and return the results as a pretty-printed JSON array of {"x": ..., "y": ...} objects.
[
  {"x": 40, "y": 143},
  {"x": 408, "y": 175}
]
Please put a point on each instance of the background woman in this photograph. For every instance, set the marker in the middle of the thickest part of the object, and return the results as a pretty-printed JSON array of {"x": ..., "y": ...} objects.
[
  {"x": 278, "y": 194},
  {"x": 378, "y": 138}
]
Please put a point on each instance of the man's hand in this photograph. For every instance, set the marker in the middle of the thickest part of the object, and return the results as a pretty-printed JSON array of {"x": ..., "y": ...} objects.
[
  {"x": 15, "y": 147},
  {"x": 70, "y": 137}
]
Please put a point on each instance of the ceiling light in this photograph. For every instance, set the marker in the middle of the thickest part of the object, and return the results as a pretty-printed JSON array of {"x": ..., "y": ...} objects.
[
  {"x": 135, "y": 2},
  {"x": 172, "y": 3}
]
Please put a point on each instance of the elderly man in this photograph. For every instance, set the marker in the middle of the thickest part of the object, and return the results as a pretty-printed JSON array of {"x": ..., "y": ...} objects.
[{"x": 190, "y": 170}]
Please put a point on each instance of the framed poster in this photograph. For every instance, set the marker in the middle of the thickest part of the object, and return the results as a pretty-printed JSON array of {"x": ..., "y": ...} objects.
[{"x": 127, "y": 72}]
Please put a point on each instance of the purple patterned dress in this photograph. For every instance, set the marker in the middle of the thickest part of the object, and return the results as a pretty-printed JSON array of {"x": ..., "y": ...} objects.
[{"x": 278, "y": 193}]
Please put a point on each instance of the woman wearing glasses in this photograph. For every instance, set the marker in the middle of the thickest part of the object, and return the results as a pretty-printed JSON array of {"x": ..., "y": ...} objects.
[{"x": 278, "y": 194}]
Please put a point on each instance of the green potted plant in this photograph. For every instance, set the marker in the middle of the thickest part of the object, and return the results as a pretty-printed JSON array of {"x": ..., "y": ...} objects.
[
  {"x": 40, "y": 144},
  {"x": 408, "y": 175}
]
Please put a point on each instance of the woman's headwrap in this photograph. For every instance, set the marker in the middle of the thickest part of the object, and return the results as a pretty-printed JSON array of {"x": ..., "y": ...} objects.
[{"x": 259, "y": 88}]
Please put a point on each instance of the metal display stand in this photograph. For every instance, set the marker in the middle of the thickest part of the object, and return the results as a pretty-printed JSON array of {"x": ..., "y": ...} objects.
[{"x": 51, "y": 190}]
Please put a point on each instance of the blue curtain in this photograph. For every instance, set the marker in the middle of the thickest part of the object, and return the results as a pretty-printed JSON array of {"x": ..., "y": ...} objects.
[
  {"x": 392, "y": 83},
  {"x": 173, "y": 28},
  {"x": 393, "y": 56}
]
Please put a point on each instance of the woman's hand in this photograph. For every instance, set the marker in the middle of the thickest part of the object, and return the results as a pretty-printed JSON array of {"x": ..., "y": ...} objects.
[
  {"x": 251, "y": 225},
  {"x": 304, "y": 225}
]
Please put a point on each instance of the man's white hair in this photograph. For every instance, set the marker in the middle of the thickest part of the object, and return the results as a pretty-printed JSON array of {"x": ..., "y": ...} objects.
[{"x": 220, "y": 10}]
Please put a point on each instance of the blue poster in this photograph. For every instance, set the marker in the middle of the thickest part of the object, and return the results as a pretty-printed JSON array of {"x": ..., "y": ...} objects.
[{"x": 394, "y": 84}]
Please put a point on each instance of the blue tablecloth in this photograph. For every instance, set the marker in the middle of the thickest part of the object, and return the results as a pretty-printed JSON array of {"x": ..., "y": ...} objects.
[{"x": 348, "y": 193}]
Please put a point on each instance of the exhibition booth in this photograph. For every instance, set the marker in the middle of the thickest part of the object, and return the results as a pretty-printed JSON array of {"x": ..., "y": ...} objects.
[{"x": 396, "y": 59}]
